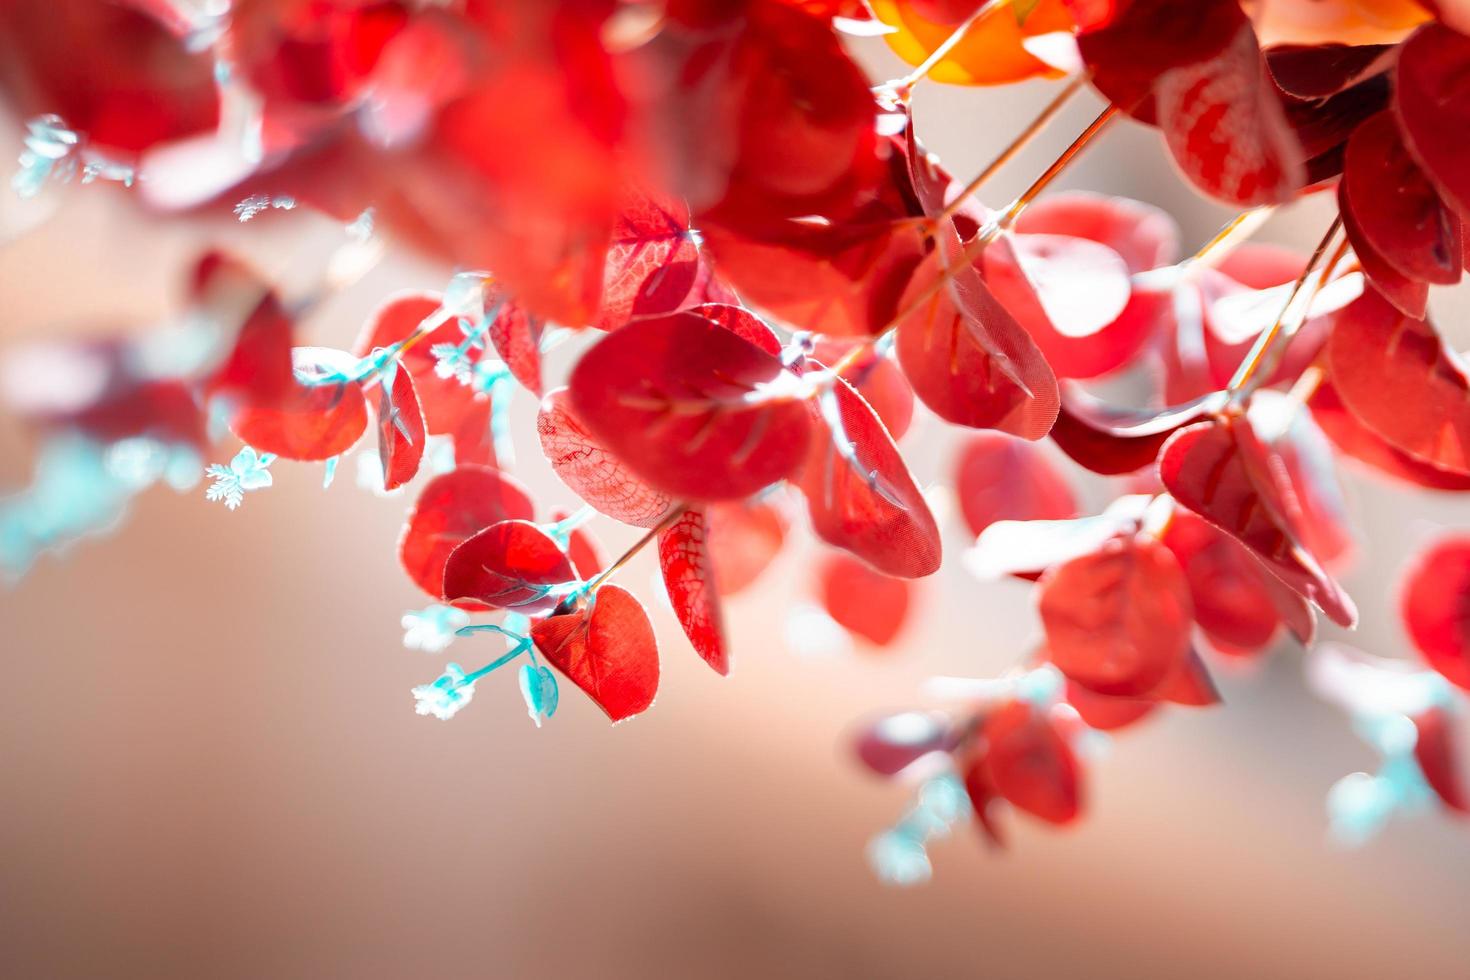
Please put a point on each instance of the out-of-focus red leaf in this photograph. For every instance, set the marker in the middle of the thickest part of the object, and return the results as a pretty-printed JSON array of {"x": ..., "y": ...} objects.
[
  {"x": 1030, "y": 764},
  {"x": 582, "y": 549},
  {"x": 1232, "y": 601},
  {"x": 1107, "y": 713},
  {"x": 510, "y": 564},
  {"x": 1429, "y": 100},
  {"x": 1115, "y": 441},
  {"x": 401, "y": 433},
  {"x": 1144, "y": 236},
  {"x": 967, "y": 357},
  {"x": 1221, "y": 471},
  {"x": 890, "y": 744},
  {"x": 608, "y": 651},
  {"x": 592, "y": 472},
  {"x": 982, "y": 795},
  {"x": 444, "y": 400},
  {"x": 516, "y": 336},
  {"x": 744, "y": 536},
  {"x": 1433, "y": 604},
  {"x": 1061, "y": 285},
  {"x": 1439, "y": 759},
  {"x": 309, "y": 422},
  {"x": 1397, "y": 377},
  {"x": 877, "y": 379},
  {"x": 474, "y": 442},
  {"x": 452, "y": 507},
  {"x": 1118, "y": 620},
  {"x": 684, "y": 558},
  {"x": 860, "y": 494},
  {"x": 1190, "y": 685},
  {"x": 1356, "y": 440},
  {"x": 651, "y": 264},
  {"x": 1396, "y": 208},
  {"x": 1002, "y": 478},
  {"x": 693, "y": 409},
  {"x": 257, "y": 369},
  {"x": 865, "y": 602}
]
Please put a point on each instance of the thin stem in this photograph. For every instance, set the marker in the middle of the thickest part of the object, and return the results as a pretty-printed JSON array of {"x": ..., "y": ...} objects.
[
  {"x": 675, "y": 512},
  {"x": 1235, "y": 231},
  {"x": 1005, "y": 156},
  {"x": 1258, "y": 351},
  {"x": 1058, "y": 165},
  {"x": 946, "y": 46},
  {"x": 520, "y": 648}
]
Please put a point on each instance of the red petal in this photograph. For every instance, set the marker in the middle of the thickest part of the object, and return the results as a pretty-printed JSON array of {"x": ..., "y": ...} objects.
[
  {"x": 968, "y": 359},
  {"x": 1223, "y": 473},
  {"x": 593, "y": 473},
  {"x": 1001, "y": 478},
  {"x": 679, "y": 400},
  {"x": 451, "y": 508},
  {"x": 401, "y": 433},
  {"x": 310, "y": 422},
  {"x": 610, "y": 653},
  {"x": 1429, "y": 98},
  {"x": 867, "y": 503},
  {"x": 510, "y": 564},
  {"x": 1395, "y": 374},
  {"x": 683, "y": 557},
  {"x": 870, "y": 604},
  {"x": 1029, "y": 763},
  {"x": 1435, "y": 606},
  {"x": 1118, "y": 620}
]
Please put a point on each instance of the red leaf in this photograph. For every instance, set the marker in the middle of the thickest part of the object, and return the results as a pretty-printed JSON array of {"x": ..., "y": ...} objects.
[
  {"x": 1229, "y": 589},
  {"x": 258, "y": 368},
  {"x": 1408, "y": 295},
  {"x": 309, "y": 422},
  {"x": 651, "y": 263},
  {"x": 510, "y": 564},
  {"x": 1439, "y": 758},
  {"x": 744, "y": 536},
  {"x": 451, "y": 508},
  {"x": 1190, "y": 684},
  {"x": 401, "y": 432},
  {"x": 1107, "y": 713},
  {"x": 740, "y": 322},
  {"x": 681, "y": 401},
  {"x": 870, "y": 604},
  {"x": 1118, "y": 620},
  {"x": 877, "y": 379},
  {"x": 1115, "y": 441},
  {"x": 1435, "y": 606},
  {"x": 1354, "y": 439},
  {"x": 968, "y": 359},
  {"x": 1060, "y": 286},
  {"x": 1395, "y": 374},
  {"x": 1317, "y": 71},
  {"x": 582, "y": 549},
  {"x": 1029, "y": 763},
  {"x": 889, "y": 744},
  {"x": 1144, "y": 236},
  {"x": 1226, "y": 128},
  {"x": 1001, "y": 478},
  {"x": 608, "y": 651},
  {"x": 1221, "y": 471},
  {"x": 860, "y": 494},
  {"x": 1429, "y": 99},
  {"x": 516, "y": 336},
  {"x": 1396, "y": 208},
  {"x": 591, "y": 471},
  {"x": 684, "y": 558},
  {"x": 445, "y": 401}
]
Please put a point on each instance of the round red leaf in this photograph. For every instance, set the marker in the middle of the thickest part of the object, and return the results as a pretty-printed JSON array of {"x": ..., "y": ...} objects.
[
  {"x": 510, "y": 564},
  {"x": 591, "y": 471},
  {"x": 451, "y": 508},
  {"x": 608, "y": 651},
  {"x": 308, "y": 422},
  {"x": 1001, "y": 478},
  {"x": 1435, "y": 605},
  {"x": 870, "y": 604}
]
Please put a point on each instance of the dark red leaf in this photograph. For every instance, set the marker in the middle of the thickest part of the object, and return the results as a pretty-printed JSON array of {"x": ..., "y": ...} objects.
[
  {"x": 1118, "y": 620},
  {"x": 1397, "y": 377},
  {"x": 889, "y": 744},
  {"x": 1229, "y": 589},
  {"x": 451, "y": 508},
  {"x": 510, "y": 564},
  {"x": 1001, "y": 478},
  {"x": 688, "y": 571},
  {"x": 1439, "y": 758},
  {"x": 967, "y": 357},
  {"x": 867, "y": 603},
  {"x": 693, "y": 409},
  {"x": 1221, "y": 471},
  {"x": 591, "y": 471},
  {"x": 608, "y": 651},
  {"x": 401, "y": 433},
  {"x": 1435, "y": 606},
  {"x": 309, "y": 422},
  {"x": 1429, "y": 99},
  {"x": 1317, "y": 71},
  {"x": 1029, "y": 763},
  {"x": 1115, "y": 441}
]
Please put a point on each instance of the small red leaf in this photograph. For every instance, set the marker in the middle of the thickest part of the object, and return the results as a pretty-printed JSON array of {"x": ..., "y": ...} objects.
[
  {"x": 1407, "y": 295},
  {"x": 967, "y": 357},
  {"x": 609, "y": 652},
  {"x": 1395, "y": 374},
  {"x": 876, "y": 378},
  {"x": 1429, "y": 99},
  {"x": 1435, "y": 606},
  {"x": 1118, "y": 620},
  {"x": 1221, "y": 471},
  {"x": 688, "y": 572},
  {"x": 1228, "y": 586},
  {"x": 1029, "y": 763},
  {"x": 888, "y": 745},
  {"x": 1190, "y": 685},
  {"x": 1113, "y": 441},
  {"x": 1001, "y": 478},
  {"x": 591, "y": 471},
  {"x": 1108, "y": 713},
  {"x": 860, "y": 494},
  {"x": 745, "y": 535},
  {"x": 444, "y": 400},
  {"x": 516, "y": 336},
  {"x": 692, "y": 408},
  {"x": 1439, "y": 758},
  {"x": 870, "y": 604},
  {"x": 451, "y": 508},
  {"x": 258, "y": 368},
  {"x": 309, "y": 422},
  {"x": 401, "y": 432},
  {"x": 740, "y": 322},
  {"x": 510, "y": 564}
]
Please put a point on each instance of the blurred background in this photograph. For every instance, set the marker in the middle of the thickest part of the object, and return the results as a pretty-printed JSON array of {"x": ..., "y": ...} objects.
[{"x": 213, "y": 769}]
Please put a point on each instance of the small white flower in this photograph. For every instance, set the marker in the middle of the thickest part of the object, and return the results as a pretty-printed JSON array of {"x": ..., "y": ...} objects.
[
  {"x": 432, "y": 629},
  {"x": 443, "y": 698},
  {"x": 247, "y": 471}
]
